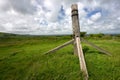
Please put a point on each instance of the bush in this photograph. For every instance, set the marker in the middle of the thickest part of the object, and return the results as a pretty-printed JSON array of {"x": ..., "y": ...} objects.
[
  {"x": 100, "y": 35},
  {"x": 82, "y": 34}
]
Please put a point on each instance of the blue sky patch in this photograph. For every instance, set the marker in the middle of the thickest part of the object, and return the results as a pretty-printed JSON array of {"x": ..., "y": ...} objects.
[
  {"x": 61, "y": 14},
  {"x": 92, "y": 12},
  {"x": 43, "y": 22}
]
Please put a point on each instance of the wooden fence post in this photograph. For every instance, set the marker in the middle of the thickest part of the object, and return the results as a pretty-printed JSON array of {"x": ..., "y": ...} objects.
[
  {"x": 77, "y": 43},
  {"x": 75, "y": 26}
]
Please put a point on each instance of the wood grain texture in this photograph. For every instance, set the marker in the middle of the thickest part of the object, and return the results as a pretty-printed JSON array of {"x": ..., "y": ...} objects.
[{"x": 81, "y": 59}]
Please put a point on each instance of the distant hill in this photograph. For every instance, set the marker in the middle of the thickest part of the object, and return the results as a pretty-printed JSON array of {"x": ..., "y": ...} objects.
[{"x": 2, "y": 34}]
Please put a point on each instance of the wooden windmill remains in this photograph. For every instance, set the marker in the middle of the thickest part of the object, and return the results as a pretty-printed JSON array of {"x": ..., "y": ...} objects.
[{"x": 77, "y": 42}]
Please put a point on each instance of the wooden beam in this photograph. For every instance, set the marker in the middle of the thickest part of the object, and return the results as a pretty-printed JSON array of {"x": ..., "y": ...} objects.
[
  {"x": 81, "y": 59},
  {"x": 77, "y": 43},
  {"x": 59, "y": 47},
  {"x": 96, "y": 47},
  {"x": 75, "y": 25}
]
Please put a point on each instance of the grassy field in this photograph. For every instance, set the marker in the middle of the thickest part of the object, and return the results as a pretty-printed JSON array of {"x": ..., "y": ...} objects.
[{"x": 22, "y": 58}]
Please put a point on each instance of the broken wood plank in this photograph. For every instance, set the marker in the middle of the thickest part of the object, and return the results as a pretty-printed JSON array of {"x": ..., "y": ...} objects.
[
  {"x": 96, "y": 47},
  {"x": 59, "y": 47}
]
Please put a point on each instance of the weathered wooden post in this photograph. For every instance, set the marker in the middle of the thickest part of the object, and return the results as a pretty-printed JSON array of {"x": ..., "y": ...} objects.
[
  {"x": 77, "y": 44},
  {"x": 75, "y": 26}
]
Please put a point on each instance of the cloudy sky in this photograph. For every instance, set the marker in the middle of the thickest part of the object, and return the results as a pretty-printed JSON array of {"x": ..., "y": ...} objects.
[{"x": 46, "y": 17}]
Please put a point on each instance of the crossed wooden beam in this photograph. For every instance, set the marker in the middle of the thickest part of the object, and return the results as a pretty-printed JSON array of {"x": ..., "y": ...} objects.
[{"x": 77, "y": 42}]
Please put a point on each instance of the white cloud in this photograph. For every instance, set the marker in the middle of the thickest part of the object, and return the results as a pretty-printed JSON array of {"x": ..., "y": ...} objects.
[
  {"x": 8, "y": 26},
  {"x": 41, "y": 17},
  {"x": 118, "y": 18},
  {"x": 89, "y": 22},
  {"x": 96, "y": 16}
]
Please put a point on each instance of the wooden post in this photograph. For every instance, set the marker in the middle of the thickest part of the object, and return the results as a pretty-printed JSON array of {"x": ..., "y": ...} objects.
[
  {"x": 75, "y": 26},
  {"x": 77, "y": 43}
]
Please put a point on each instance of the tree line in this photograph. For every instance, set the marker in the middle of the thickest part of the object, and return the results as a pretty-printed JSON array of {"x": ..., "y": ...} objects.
[{"x": 100, "y": 35}]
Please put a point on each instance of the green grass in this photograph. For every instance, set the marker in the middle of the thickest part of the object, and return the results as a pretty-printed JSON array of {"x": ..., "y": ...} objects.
[
  {"x": 22, "y": 58},
  {"x": 103, "y": 67}
]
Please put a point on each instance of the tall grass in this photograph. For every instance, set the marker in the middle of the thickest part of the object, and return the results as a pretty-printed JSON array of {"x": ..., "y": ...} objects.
[{"x": 22, "y": 58}]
